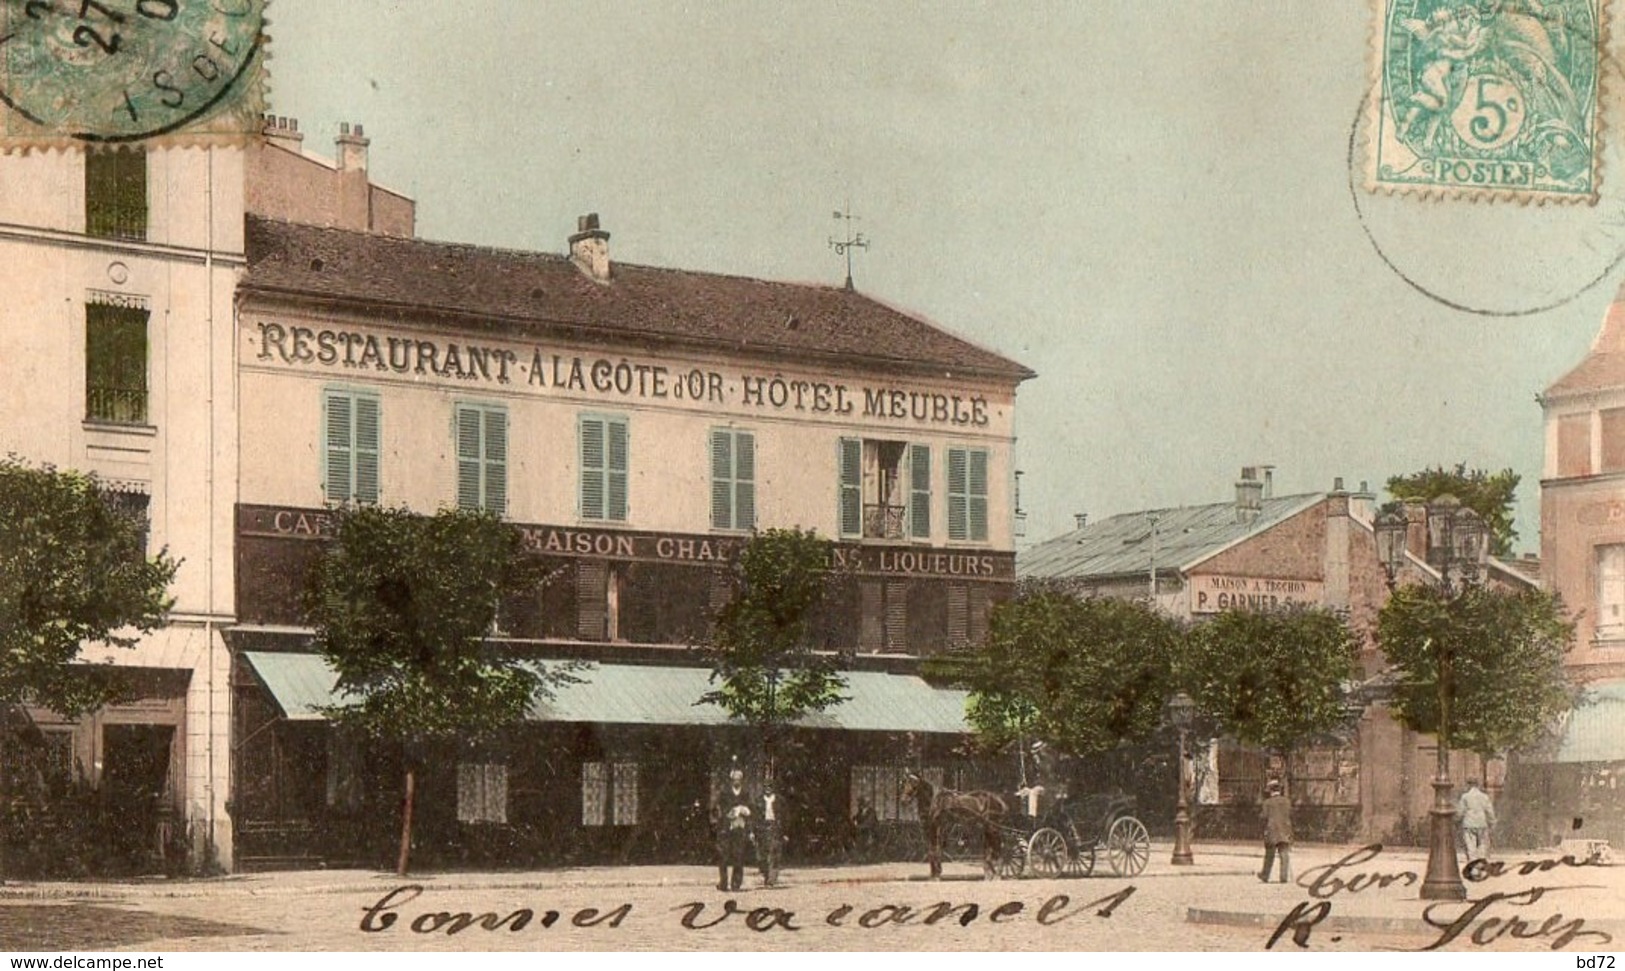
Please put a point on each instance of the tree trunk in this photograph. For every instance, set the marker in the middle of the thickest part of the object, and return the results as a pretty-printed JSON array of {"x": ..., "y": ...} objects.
[{"x": 406, "y": 822}]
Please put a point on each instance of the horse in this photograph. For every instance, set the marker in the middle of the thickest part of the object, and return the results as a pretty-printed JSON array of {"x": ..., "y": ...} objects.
[{"x": 937, "y": 804}]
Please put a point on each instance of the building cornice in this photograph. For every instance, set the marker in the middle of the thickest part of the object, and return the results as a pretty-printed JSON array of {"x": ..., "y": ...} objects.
[{"x": 121, "y": 247}]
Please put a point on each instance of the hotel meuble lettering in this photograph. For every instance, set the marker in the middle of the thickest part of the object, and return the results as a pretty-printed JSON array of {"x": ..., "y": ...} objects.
[{"x": 618, "y": 377}]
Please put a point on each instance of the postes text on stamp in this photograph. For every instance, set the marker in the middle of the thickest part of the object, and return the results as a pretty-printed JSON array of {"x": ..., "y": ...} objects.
[
  {"x": 1489, "y": 98},
  {"x": 110, "y": 71}
]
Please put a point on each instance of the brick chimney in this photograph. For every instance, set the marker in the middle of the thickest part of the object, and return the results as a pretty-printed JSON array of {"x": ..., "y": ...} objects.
[
  {"x": 1081, "y": 518},
  {"x": 1249, "y": 495},
  {"x": 282, "y": 131},
  {"x": 352, "y": 148},
  {"x": 355, "y": 190},
  {"x": 589, "y": 248}
]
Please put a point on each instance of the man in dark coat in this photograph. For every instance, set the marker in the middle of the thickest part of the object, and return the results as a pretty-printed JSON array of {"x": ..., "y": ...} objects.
[
  {"x": 1277, "y": 815},
  {"x": 733, "y": 826}
]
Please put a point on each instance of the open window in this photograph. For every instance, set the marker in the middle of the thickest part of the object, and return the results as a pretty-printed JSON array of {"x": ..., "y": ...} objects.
[{"x": 885, "y": 489}]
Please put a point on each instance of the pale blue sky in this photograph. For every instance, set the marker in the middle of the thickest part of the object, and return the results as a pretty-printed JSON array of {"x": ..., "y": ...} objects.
[{"x": 1146, "y": 202}]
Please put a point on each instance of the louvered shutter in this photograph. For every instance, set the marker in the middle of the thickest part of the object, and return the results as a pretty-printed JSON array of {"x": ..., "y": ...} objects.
[
  {"x": 977, "y": 495},
  {"x": 744, "y": 480},
  {"x": 366, "y": 448},
  {"x": 896, "y": 615},
  {"x": 592, "y": 600},
  {"x": 919, "y": 494},
  {"x": 592, "y": 468},
  {"x": 616, "y": 469},
  {"x": 496, "y": 462},
  {"x": 851, "y": 475},
  {"x": 958, "y": 501},
  {"x": 958, "y": 617},
  {"x": 721, "y": 479},
  {"x": 468, "y": 458},
  {"x": 339, "y": 422}
]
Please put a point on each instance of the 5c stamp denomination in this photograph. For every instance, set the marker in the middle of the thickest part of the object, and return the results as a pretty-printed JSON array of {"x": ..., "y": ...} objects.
[
  {"x": 129, "y": 70},
  {"x": 1493, "y": 98}
]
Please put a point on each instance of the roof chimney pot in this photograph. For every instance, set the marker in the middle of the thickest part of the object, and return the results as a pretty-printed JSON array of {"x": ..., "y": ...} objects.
[{"x": 589, "y": 248}]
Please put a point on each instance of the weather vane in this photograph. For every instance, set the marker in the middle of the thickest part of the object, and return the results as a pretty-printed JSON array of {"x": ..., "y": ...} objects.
[{"x": 844, "y": 247}]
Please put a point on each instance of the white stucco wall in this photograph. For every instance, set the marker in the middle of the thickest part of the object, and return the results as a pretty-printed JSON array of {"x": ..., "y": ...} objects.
[
  {"x": 185, "y": 456},
  {"x": 670, "y": 476}
]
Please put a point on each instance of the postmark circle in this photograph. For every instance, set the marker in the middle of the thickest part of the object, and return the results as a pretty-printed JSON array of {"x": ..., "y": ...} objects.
[
  {"x": 122, "y": 71},
  {"x": 1498, "y": 261}
]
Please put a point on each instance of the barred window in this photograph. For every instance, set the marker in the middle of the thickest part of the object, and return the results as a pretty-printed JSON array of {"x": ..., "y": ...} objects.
[
  {"x": 116, "y": 194},
  {"x": 115, "y": 364}
]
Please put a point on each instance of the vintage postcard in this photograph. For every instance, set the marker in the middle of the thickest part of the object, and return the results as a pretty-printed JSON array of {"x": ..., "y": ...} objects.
[{"x": 646, "y": 477}]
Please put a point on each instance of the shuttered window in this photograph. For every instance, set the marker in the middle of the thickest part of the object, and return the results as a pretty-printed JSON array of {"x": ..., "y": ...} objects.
[
  {"x": 482, "y": 792},
  {"x": 115, "y": 364},
  {"x": 919, "y": 491},
  {"x": 967, "y": 494},
  {"x": 482, "y": 458},
  {"x": 851, "y": 484},
  {"x": 733, "y": 479},
  {"x": 350, "y": 449},
  {"x": 604, "y": 460}
]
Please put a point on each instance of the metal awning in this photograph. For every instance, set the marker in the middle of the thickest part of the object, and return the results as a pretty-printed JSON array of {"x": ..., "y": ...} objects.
[
  {"x": 646, "y": 694},
  {"x": 1596, "y": 730}
]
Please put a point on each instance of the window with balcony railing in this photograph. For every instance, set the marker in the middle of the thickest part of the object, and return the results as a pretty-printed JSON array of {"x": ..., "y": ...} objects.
[
  {"x": 115, "y": 364},
  {"x": 885, "y": 489},
  {"x": 116, "y": 194}
]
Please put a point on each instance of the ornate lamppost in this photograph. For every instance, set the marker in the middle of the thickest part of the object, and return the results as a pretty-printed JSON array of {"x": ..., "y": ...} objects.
[
  {"x": 1458, "y": 544},
  {"x": 1181, "y": 712}
]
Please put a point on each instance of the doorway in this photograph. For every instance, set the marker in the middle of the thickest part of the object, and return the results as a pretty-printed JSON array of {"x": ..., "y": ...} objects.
[{"x": 136, "y": 792}]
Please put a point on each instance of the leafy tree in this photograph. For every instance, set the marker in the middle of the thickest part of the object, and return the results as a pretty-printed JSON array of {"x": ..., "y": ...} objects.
[
  {"x": 1271, "y": 678},
  {"x": 401, "y": 604},
  {"x": 761, "y": 651},
  {"x": 1505, "y": 652},
  {"x": 73, "y": 570},
  {"x": 1082, "y": 675},
  {"x": 1490, "y": 495}
]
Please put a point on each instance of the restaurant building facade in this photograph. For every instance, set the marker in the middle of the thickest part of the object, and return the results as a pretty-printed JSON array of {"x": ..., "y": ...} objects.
[{"x": 636, "y": 424}]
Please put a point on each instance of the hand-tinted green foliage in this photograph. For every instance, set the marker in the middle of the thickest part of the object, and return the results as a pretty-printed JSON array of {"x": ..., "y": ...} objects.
[
  {"x": 1271, "y": 678},
  {"x": 762, "y": 651},
  {"x": 401, "y": 604},
  {"x": 1506, "y": 654},
  {"x": 1083, "y": 675},
  {"x": 1491, "y": 496},
  {"x": 73, "y": 571}
]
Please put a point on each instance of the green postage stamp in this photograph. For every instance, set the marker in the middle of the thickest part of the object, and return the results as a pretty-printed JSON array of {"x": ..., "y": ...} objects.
[
  {"x": 111, "y": 71},
  {"x": 1496, "y": 98}
]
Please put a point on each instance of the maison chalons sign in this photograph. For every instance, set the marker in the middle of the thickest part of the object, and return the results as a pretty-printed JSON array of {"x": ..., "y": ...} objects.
[
  {"x": 473, "y": 364},
  {"x": 283, "y": 522}
]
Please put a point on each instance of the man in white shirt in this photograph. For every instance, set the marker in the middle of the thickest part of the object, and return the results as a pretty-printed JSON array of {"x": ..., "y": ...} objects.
[{"x": 1477, "y": 816}]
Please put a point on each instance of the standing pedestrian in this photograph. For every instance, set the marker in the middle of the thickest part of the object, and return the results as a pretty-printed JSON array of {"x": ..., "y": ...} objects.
[
  {"x": 1277, "y": 815},
  {"x": 768, "y": 842},
  {"x": 1477, "y": 815},
  {"x": 733, "y": 833}
]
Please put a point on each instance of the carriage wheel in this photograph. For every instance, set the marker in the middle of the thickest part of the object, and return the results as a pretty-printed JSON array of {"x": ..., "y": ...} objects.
[
  {"x": 962, "y": 843},
  {"x": 1128, "y": 846},
  {"x": 1082, "y": 863},
  {"x": 1046, "y": 853},
  {"x": 1012, "y": 856}
]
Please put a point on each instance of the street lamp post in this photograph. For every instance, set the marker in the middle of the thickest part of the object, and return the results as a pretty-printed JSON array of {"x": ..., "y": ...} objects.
[
  {"x": 1181, "y": 711},
  {"x": 1458, "y": 543}
]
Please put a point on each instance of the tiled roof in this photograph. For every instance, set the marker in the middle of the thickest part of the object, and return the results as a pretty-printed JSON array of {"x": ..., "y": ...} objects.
[
  {"x": 1603, "y": 367},
  {"x": 535, "y": 294},
  {"x": 1121, "y": 545}
]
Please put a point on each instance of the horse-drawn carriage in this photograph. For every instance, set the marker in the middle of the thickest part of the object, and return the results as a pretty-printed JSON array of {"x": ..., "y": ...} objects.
[{"x": 1065, "y": 840}]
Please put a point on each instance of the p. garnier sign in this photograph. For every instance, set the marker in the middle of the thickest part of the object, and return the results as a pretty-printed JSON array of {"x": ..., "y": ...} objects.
[
  {"x": 355, "y": 353},
  {"x": 1211, "y": 593},
  {"x": 615, "y": 544}
]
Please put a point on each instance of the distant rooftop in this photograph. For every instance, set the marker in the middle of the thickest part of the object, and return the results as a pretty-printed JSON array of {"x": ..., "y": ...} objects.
[{"x": 1121, "y": 545}]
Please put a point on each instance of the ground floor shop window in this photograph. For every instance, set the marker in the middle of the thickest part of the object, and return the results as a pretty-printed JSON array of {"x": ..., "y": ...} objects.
[
  {"x": 881, "y": 788},
  {"x": 482, "y": 792},
  {"x": 609, "y": 794}
]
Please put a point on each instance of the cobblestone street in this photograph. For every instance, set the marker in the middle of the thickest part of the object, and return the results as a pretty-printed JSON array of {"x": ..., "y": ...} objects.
[{"x": 853, "y": 908}]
